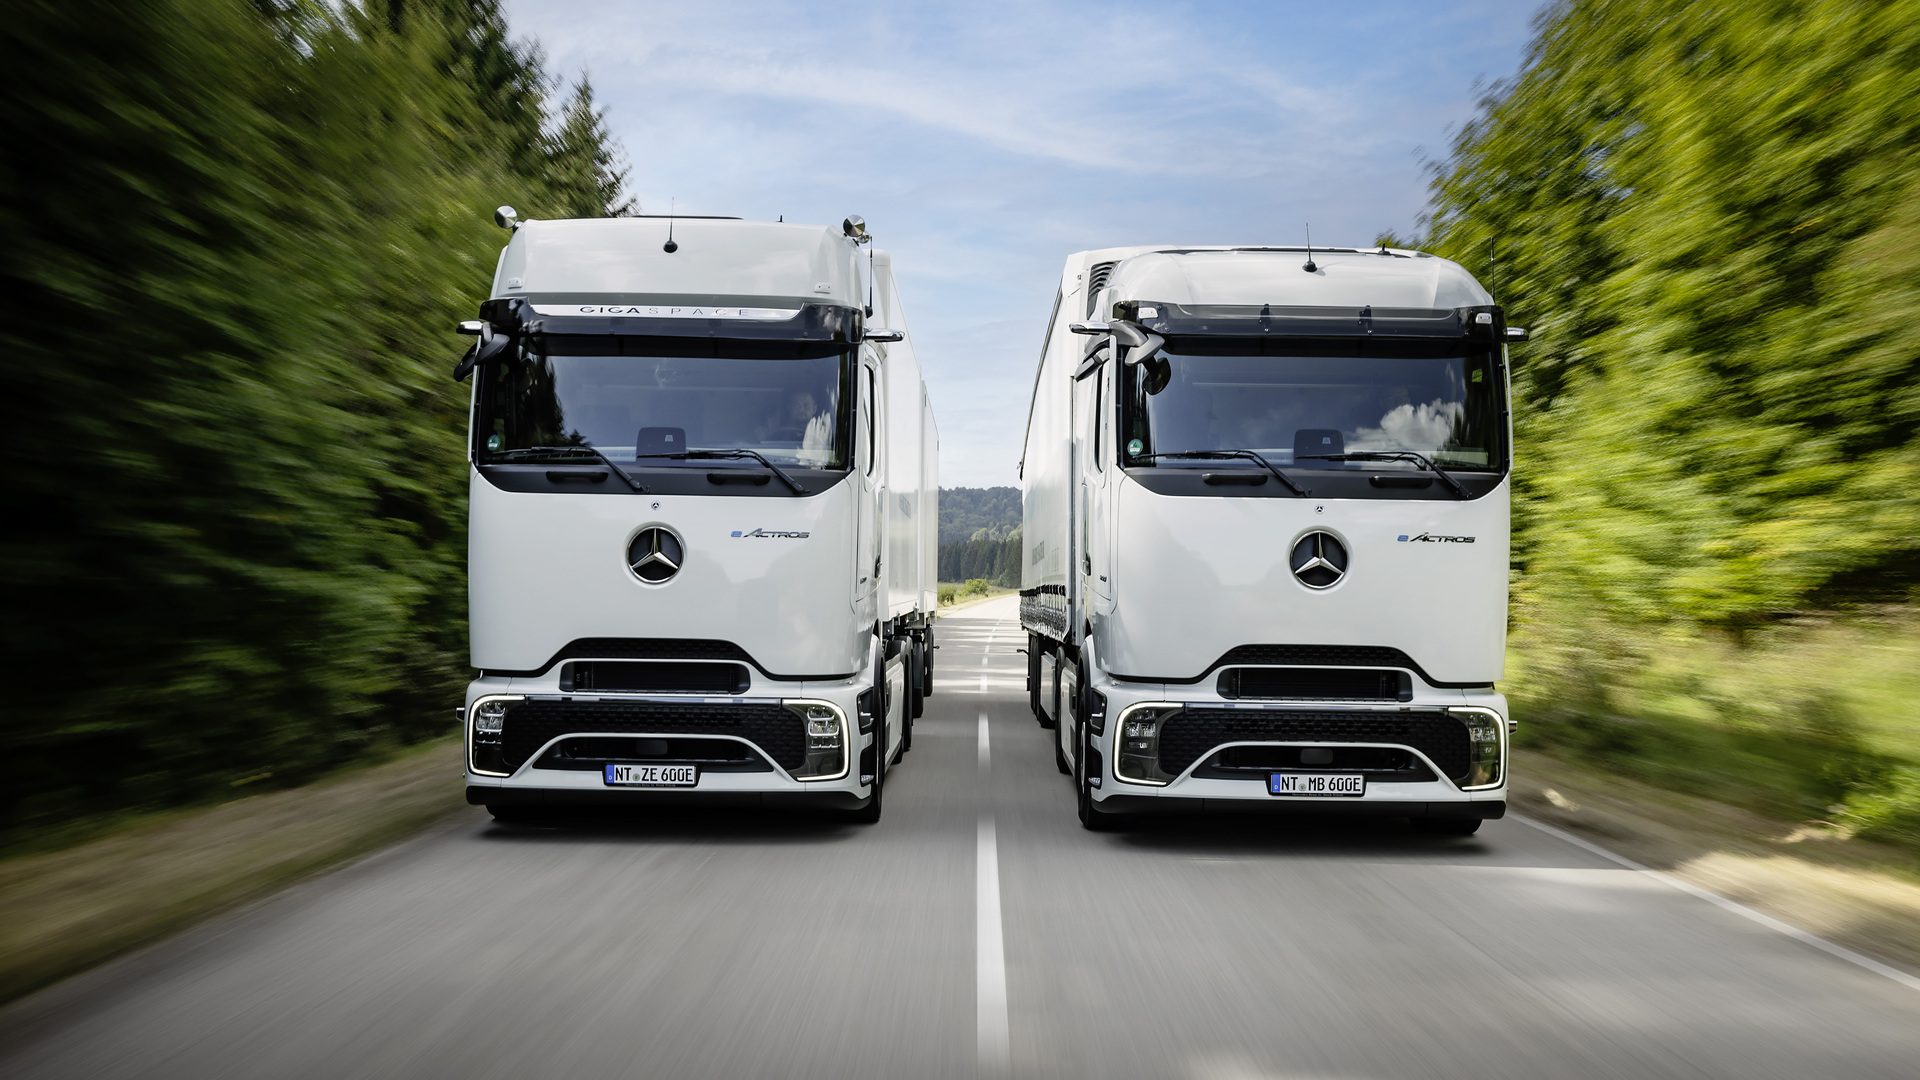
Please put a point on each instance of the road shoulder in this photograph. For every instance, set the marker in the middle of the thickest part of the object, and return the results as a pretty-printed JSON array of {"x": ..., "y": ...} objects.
[
  {"x": 64, "y": 911},
  {"x": 1856, "y": 893}
]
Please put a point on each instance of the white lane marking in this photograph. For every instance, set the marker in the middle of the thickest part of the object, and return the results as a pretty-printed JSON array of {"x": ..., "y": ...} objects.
[
  {"x": 990, "y": 955},
  {"x": 1768, "y": 921},
  {"x": 983, "y": 684}
]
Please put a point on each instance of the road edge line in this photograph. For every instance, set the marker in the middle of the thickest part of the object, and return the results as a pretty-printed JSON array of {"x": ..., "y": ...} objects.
[{"x": 1862, "y": 960}]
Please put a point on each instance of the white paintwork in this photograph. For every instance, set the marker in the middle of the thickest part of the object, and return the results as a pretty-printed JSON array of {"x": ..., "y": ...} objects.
[
  {"x": 615, "y": 259},
  {"x": 1166, "y": 585},
  {"x": 546, "y": 569}
]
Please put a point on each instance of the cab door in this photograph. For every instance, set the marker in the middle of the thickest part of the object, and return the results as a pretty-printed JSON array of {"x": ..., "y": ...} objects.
[
  {"x": 1093, "y": 437},
  {"x": 866, "y": 481}
]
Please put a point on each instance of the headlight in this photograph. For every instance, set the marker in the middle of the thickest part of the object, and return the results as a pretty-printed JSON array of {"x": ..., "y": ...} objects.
[
  {"x": 1485, "y": 747},
  {"x": 486, "y": 734},
  {"x": 826, "y": 734},
  {"x": 1136, "y": 737}
]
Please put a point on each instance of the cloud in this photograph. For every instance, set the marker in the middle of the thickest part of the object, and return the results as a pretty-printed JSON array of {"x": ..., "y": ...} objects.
[{"x": 985, "y": 142}]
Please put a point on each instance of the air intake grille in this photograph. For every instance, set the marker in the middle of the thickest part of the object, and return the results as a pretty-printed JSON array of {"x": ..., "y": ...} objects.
[
  {"x": 654, "y": 677},
  {"x": 1097, "y": 279},
  {"x": 1316, "y": 684},
  {"x": 1192, "y": 733},
  {"x": 778, "y": 732}
]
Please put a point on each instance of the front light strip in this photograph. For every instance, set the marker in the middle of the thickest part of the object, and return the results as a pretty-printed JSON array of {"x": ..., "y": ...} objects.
[
  {"x": 486, "y": 723},
  {"x": 1487, "y": 746}
]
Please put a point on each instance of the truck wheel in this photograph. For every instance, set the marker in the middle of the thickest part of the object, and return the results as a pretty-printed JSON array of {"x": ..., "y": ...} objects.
[{"x": 1091, "y": 818}]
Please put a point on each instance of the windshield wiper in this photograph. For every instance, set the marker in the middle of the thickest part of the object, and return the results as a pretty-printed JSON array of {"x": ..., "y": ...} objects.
[
  {"x": 1421, "y": 460},
  {"x": 581, "y": 449},
  {"x": 685, "y": 455},
  {"x": 1249, "y": 454}
]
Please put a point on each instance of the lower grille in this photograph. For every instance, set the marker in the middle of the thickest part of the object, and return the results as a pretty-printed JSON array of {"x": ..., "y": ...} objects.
[
  {"x": 776, "y": 730},
  {"x": 1193, "y": 732}
]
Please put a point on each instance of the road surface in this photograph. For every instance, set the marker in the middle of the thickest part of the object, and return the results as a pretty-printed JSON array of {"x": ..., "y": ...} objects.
[{"x": 976, "y": 931}]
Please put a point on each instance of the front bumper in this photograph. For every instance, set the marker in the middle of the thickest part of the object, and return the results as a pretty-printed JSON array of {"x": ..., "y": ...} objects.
[
  {"x": 551, "y": 746},
  {"x": 1435, "y": 780}
]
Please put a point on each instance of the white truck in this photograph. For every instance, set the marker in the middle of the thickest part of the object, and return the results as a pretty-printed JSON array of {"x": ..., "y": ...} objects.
[
  {"x": 702, "y": 561},
  {"x": 1266, "y": 500}
]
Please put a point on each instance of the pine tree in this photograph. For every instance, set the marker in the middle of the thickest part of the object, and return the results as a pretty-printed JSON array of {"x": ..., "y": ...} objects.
[{"x": 586, "y": 171}]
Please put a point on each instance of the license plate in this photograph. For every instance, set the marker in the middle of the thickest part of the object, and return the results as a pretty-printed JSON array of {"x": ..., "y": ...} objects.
[
  {"x": 1317, "y": 785},
  {"x": 653, "y": 775}
]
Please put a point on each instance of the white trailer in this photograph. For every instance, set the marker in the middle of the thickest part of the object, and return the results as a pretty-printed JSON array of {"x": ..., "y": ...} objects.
[
  {"x": 703, "y": 479},
  {"x": 1266, "y": 501}
]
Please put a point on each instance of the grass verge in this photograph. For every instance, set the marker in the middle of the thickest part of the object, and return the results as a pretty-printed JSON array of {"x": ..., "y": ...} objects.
[
  {"x": 64, "y": 911},
  {"x": 1858, "y": 892}
]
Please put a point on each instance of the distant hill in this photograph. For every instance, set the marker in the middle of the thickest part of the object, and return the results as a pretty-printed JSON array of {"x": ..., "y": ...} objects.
[
  {"x": 980, "y": 534},
  {"x": 964, "y": 512}
]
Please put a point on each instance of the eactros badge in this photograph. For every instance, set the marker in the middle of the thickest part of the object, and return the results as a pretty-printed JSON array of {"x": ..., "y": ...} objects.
[
  {"x": 771, "y": 534},
  {"x": 1319, "y": 560},
  {"x": 1429, "y": 538},
  {"x": 655, "y": 555}
]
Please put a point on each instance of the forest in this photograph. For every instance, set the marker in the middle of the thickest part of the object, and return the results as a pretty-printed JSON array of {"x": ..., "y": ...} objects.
[
  {"x": 242, "y": 231},
  {"x": 1708, "y": 215},
  {"x": 239, "y": 242},
  {"x": 980, "y": 535}
]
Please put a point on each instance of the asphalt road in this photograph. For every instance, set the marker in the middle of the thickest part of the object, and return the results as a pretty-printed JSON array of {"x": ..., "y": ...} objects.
[{"x": 977, "y": 930}]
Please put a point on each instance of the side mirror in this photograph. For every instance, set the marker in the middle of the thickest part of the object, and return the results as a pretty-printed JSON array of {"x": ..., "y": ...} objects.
[
  {"x": 856, "y": 229},
  {"x": 1090, "y": 327},
  {"x": 473, "y": 328},
  {"x": 1515, "y": 333},
  {"x": 886, "y": 335},
  {"x": 506, "y": 217},
  {"x": 486, "y": 348}
]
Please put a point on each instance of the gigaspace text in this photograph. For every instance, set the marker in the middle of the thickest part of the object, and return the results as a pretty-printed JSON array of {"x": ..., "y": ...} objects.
[{"x": 664, "y": 311}]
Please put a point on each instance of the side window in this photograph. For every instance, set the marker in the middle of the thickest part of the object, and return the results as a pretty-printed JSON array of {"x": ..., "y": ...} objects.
[{"x": 866, "y": 419}]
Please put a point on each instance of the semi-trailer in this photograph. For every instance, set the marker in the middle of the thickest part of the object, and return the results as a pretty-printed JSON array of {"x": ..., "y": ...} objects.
[
  {"x": 1266, "y": 502},
  {"x": 703, "y": 478}
]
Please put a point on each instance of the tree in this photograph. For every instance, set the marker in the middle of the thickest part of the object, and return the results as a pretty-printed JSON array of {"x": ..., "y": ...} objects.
[{"x": 586, "y": 170}]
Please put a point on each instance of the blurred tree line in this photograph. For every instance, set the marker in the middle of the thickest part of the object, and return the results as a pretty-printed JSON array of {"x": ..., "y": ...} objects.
[
  {"x": 1709, "y": 217},
  {"x": 239, "y": 237}
]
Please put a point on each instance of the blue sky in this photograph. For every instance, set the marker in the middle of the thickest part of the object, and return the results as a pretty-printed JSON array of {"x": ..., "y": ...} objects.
[{"x": 985, "y": 142}]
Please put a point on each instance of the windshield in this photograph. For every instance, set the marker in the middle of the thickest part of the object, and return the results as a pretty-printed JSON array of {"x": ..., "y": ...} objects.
[
  {"x": 1200, "y": 395},
  {"x": 791, "y": 411}
]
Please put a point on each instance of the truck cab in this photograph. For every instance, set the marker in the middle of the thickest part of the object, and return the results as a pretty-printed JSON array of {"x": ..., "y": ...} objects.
[
  {"x": 701, "y": 521},
  {"x": 1267, "y": 499}
]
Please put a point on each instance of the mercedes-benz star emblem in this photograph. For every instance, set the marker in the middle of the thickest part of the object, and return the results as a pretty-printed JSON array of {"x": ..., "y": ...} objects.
[
  {"x": 1319, "y": 560},
  {"x": 654, "y": 556}
]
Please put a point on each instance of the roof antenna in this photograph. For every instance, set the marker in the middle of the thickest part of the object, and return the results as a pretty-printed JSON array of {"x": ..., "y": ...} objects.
[
  {"x": 1309, "y": 267},
  {"x": 670, "y": 247}
]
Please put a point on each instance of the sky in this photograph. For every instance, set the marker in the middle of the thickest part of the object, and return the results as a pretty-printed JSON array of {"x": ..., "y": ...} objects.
[{"x": 984, "y": 143}]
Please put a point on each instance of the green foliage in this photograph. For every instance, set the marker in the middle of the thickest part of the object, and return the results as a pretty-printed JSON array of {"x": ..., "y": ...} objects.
[
  {"x": 237, "y": 249},
  {"x": 586, "y": 170},
  {"x": 975, "y": 587},
  {"x": 980, "y": 535},
  {"x": 1709, "y": 217},
  {"x": 949, "y": 592},
  {"x": 966, "y": 512}
]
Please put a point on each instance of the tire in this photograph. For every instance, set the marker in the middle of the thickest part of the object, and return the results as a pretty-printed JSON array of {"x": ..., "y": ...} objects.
[
  {"x": 1091, "y": 818},
  {"x": 1446, "y": 826}
]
